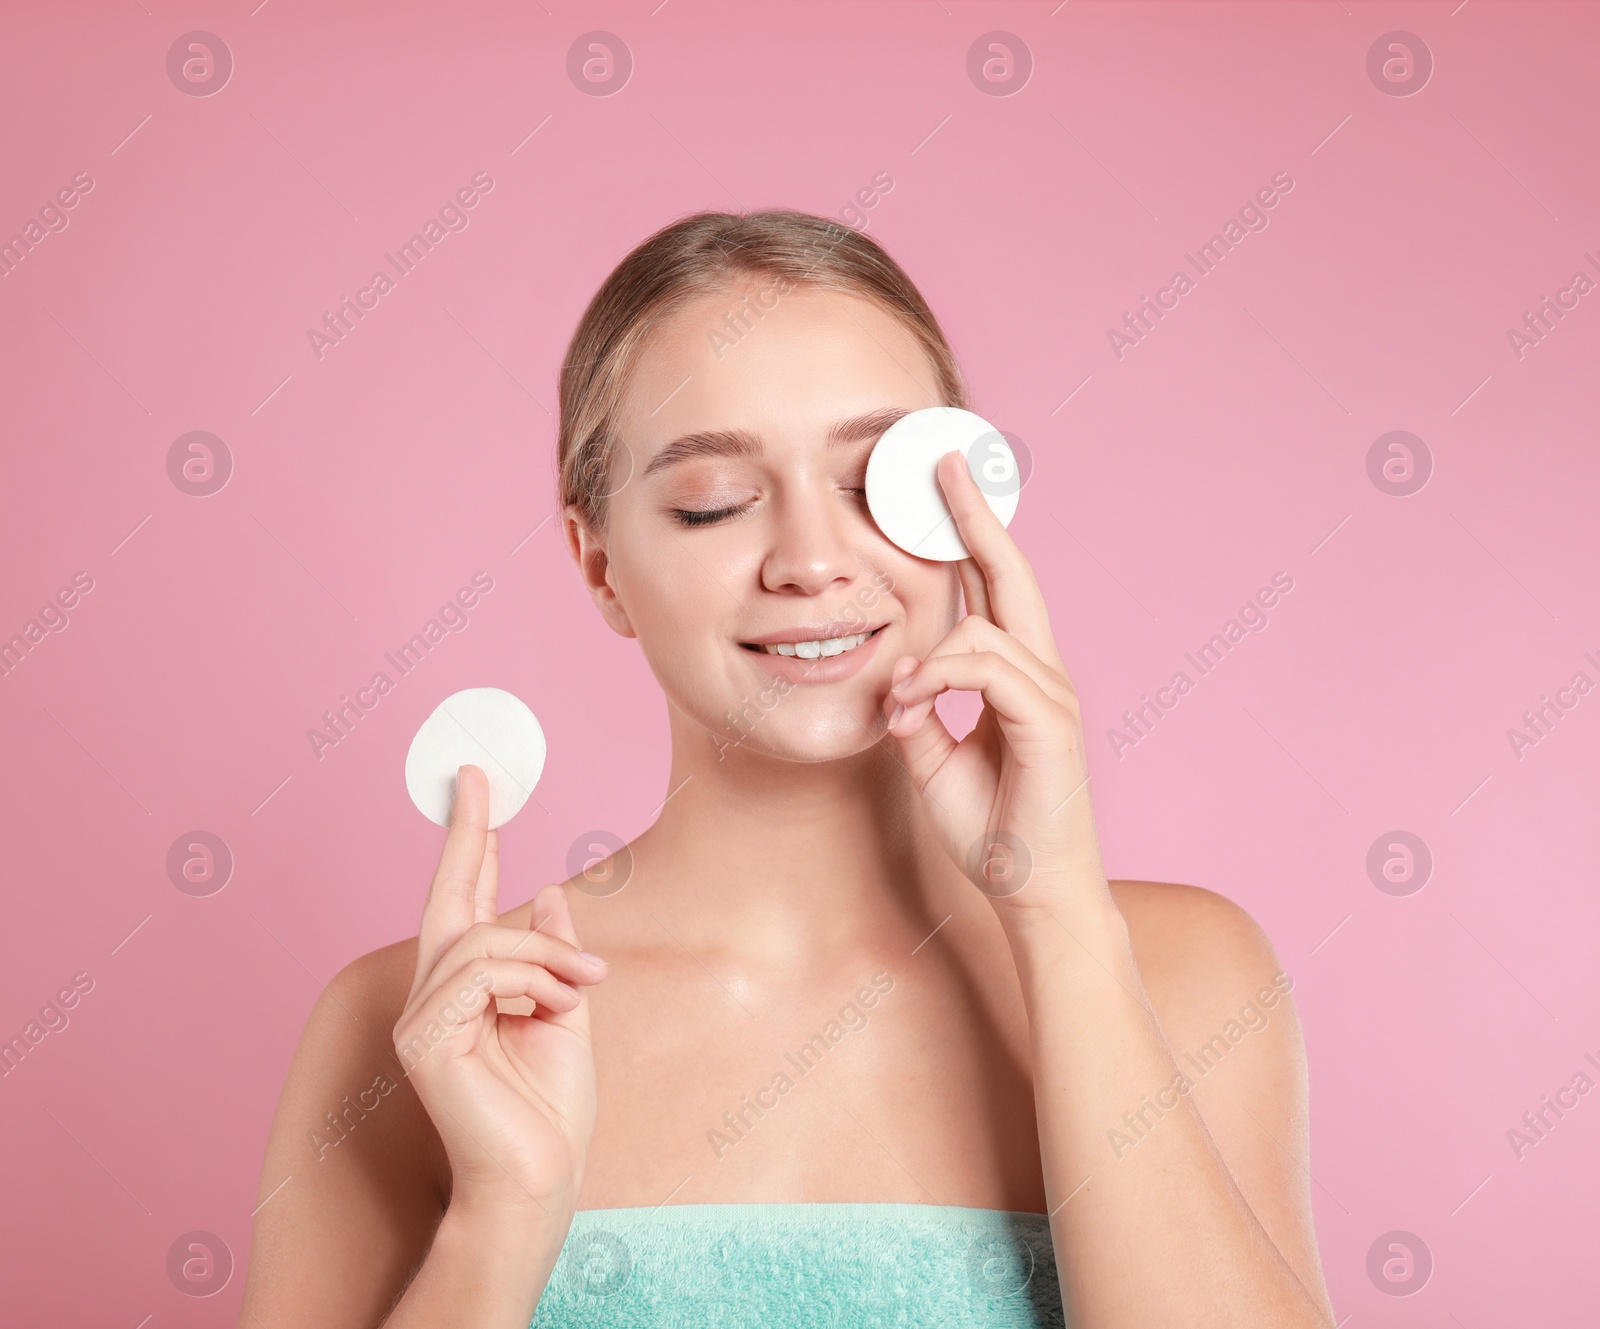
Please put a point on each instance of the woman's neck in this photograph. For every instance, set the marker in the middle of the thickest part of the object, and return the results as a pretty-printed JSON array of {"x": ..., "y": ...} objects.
[{"x": 770, "y": 862}]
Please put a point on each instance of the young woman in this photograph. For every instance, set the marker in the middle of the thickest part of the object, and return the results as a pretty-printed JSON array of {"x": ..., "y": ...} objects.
[{"x": 874, "y": 1040}]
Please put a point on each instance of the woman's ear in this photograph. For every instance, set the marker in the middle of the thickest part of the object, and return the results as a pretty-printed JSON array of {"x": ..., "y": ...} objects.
[{"x": 588, "y": 551}]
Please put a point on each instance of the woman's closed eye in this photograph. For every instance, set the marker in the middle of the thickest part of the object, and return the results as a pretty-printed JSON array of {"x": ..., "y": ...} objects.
[
  {"x": 708, "y": 517},
  {"x": 711, "y": 516}
]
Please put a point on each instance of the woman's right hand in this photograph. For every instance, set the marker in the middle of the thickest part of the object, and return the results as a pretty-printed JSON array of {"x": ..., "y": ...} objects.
[{"x": 512, "y": 1096}]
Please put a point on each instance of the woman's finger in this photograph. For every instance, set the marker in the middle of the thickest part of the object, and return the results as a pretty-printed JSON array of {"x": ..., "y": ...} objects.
[
  {"x": 1012, "y": 591},
  {"x": 463, "y": 994},
  {"x": 495, "y": 941},
  {"x": 455, "y": 902},
  {"x": 979, "y": 634},
  {"x": 552, "y": 914},
  {"x": 973, "y": 590},
  {"x": 925, "y": 743},
  {"x": 494, "y": 977},
  {"x": 487, "y": 896},
  {"x": 1025, "y": 713}
]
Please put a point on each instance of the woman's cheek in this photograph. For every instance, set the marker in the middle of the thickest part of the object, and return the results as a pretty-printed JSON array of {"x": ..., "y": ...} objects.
[{"x": 932, "y": 602}]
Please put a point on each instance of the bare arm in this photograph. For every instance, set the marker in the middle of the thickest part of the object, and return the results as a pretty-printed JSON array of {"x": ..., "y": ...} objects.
[
  {"x": 1177, "y": 1193},
  {"x": 349, "y": 1197},
  {"x": 1174, "y": 1148},
  {"x": 428, "y": 1148},
  {"x": 353, "y": 1230}
]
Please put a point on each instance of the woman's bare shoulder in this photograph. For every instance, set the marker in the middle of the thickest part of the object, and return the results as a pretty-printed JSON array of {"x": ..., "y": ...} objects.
[
  {"x": 381, "y": 976},
  {"x": 351, "y": 1179},
  {"x": 1222, "y": 998},
  {"x": 1209, "y": 967},
  {"x": 353, "y": 1020},
  {"x": 1193, "y": 942}
]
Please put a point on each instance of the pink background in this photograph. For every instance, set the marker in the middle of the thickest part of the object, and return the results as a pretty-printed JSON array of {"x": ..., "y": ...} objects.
[{"x": 1230, "y": 444}]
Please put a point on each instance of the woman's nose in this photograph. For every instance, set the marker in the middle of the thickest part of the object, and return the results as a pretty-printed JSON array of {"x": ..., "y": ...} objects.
[{"x": 814, "y": 535}]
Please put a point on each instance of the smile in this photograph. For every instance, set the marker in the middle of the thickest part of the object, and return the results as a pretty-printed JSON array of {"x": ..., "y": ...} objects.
[
  {"x": 824, "y": 654},
  {"x": 815, "y": 650}
]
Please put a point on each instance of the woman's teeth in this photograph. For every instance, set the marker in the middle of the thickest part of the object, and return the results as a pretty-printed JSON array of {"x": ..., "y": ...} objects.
[{"x": 811, "y": 650}]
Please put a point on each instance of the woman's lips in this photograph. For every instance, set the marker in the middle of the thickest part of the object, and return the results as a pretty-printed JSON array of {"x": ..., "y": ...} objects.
[{"x": 824, "y": 669}]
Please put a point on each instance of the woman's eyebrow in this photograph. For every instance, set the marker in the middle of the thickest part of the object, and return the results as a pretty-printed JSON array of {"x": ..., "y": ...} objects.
[
  {"x": 859, "y": 428},
  {"x": 742, "y": 443},
  {"x": 706, "y": 443}
]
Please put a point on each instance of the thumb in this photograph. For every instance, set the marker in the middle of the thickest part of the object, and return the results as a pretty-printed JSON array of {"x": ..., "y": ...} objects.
[
  {"x": 924, "y": 741},
  {"x": 552, "y": 914}
]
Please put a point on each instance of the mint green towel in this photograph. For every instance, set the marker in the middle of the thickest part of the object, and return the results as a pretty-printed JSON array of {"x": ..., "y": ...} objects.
[{"x": 782, "y": 1266}]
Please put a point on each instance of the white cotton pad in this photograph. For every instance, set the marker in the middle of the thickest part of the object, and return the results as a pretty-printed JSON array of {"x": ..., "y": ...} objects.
[
  {"x": 485, "y": 727},
  {"x": 903, "y": 489}
]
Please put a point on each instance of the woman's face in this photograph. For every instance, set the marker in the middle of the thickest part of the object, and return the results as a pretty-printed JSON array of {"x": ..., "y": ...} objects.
[{"x": 743, "y": 520}]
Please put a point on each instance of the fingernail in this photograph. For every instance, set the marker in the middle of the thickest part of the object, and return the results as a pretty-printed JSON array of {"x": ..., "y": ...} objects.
[
  {"x": 895, "y": 718},
  {"x": 591, "y": 956},
  {"x": 898, "y": 686}
]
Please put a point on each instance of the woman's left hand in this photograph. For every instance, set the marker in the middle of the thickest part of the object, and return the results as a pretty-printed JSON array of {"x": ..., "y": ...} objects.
[{"x": 1010, "y": 801}]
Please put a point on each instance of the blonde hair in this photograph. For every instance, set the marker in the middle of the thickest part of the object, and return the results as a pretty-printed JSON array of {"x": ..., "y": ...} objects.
[{"x": 696, "y": 256}]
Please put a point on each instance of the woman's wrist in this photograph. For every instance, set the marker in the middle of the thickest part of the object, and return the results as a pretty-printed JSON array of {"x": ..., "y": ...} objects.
[
  {"x": 510, "y": 1249},
  {"x": 1064, "y": 928},
  {"x": 488, "y": 1266},
  {"x": 513, "y": 1217}
]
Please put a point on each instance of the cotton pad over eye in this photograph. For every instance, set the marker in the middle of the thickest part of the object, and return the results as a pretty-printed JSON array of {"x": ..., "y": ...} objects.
[
  {"x": 903, "y": 492},
  {"x": 484, "y": 727}
]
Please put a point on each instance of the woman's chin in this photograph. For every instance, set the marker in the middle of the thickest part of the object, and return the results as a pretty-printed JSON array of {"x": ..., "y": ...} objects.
[{"x": 834, "y": 737}]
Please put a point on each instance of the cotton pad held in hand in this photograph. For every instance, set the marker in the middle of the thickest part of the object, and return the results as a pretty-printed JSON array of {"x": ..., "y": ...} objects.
[
  {"x": 484, "y": 727},
  {"x": 903, "y": 488}
]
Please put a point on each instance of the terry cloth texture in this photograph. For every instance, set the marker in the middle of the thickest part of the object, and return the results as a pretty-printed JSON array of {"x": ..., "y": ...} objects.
[{"x": 784, "y": 1266}]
